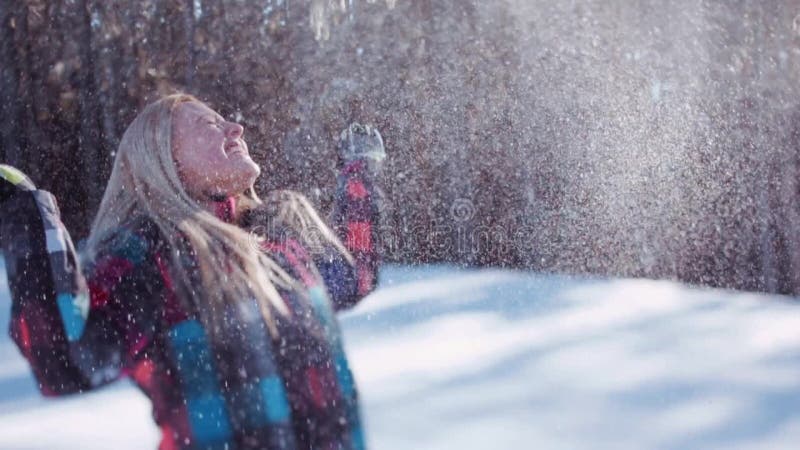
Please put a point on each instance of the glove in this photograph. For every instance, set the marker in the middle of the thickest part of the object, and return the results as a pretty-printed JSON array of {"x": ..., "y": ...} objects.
[
  {"x": 361, "y": 142},
  {"x": 20, "y": 203},
  {"x": 21, "y": 206},
  {"x": 13, "y": 181},
  {"x": 29, "y": 217}
]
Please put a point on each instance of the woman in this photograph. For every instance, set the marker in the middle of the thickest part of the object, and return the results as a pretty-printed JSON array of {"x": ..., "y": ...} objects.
[{"x": 220, "y": 306}]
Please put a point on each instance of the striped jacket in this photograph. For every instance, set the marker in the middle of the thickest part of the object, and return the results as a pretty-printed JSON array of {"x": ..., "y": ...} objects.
[{"x": 81, "y": 326}]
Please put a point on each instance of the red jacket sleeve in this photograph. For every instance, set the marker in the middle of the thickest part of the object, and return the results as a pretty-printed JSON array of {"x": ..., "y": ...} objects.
[{"x": 356, "y": 220}]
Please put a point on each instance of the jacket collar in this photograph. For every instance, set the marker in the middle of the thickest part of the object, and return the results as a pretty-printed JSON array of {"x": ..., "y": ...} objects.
[{"x": 224, "y": 208}]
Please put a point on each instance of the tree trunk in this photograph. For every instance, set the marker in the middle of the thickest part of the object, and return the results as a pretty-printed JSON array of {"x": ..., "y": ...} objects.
[
  {"x": 10, "y": 101},
  {"x": 89, "y": 127},
  {"x": 189, "y": 20}
]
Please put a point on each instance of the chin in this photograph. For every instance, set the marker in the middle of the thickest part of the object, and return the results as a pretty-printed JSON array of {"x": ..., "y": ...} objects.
[
  {"x": 254, "y": 170},
  {"x": 244, "y": 176}
]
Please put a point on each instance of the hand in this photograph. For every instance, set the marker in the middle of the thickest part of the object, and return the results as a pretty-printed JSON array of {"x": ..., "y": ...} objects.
[
  {"x": 361, "y": 142},
  {"x": 12, "y": 181},
  {"x": 22, "y": 204},
  {"x": 21, "y": 221}
]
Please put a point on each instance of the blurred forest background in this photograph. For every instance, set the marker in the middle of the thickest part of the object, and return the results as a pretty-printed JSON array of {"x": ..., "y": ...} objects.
[{"x": 643, "y": 138}]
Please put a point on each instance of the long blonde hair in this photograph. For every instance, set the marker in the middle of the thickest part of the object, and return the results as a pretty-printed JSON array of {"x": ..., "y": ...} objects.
[{"x": 145, "y": 181}]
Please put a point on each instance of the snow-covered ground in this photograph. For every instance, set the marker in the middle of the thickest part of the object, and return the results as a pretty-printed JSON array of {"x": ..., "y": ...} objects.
[{"x": 449, "y": 358}]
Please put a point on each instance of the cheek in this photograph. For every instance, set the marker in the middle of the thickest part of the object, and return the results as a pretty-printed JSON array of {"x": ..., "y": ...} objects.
[
  {"x": 197, "y": 158},
  {"x": 203, "y": 171},
  {"x": 203, "y": 146}
]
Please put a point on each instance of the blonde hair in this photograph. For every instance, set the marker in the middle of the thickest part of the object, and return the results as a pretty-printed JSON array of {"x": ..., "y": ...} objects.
[{"x": 145, "y": 181}]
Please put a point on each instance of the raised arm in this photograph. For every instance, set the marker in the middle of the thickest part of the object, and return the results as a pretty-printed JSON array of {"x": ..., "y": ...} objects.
[
  {"x": 356, "y": 217},
  {"x": 77, "y": 328}
]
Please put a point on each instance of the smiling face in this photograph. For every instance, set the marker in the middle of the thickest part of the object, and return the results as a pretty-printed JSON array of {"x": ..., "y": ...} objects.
[{"x": 210, "y": 153}]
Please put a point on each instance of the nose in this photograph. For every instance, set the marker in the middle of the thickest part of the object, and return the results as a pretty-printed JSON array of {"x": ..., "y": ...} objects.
[{"x": 234, "y": 130}]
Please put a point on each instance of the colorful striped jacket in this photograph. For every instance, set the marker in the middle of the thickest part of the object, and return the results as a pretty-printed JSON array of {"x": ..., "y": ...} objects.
[{"x": 83, "y": 326}]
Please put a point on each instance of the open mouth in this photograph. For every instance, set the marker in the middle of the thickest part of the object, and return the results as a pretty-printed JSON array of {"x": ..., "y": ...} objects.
[{"x": 234, "y": 147}]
